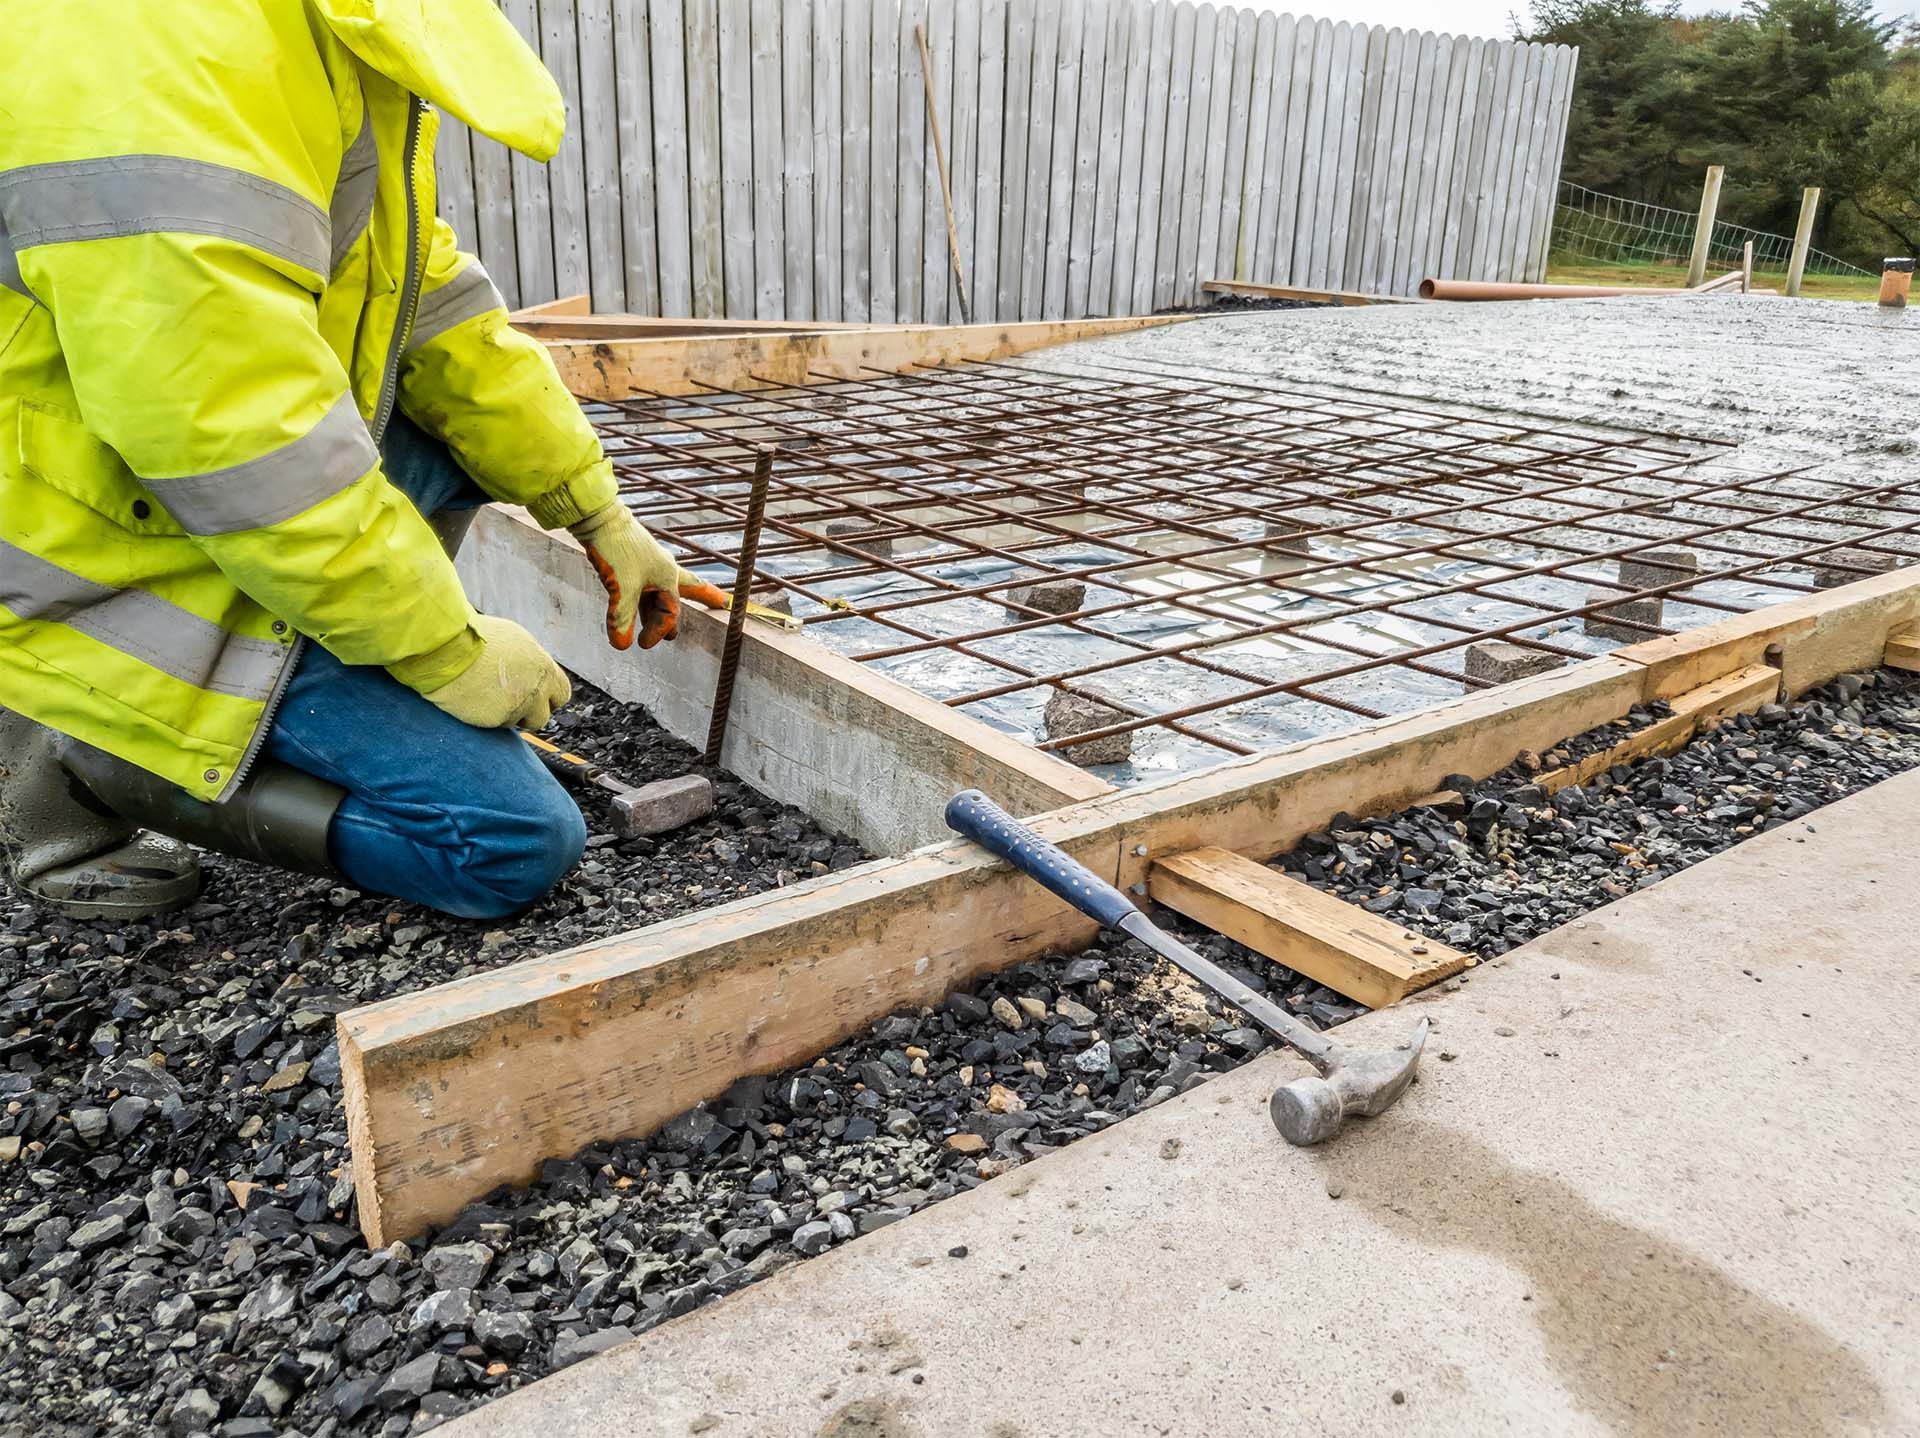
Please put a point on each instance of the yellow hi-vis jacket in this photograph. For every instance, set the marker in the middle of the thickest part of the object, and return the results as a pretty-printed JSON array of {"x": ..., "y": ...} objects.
[{"x": 220, "y": 272}]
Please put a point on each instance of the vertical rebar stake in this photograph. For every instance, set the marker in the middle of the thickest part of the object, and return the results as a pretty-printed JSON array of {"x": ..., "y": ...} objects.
[{"x": 737, "y": 611}]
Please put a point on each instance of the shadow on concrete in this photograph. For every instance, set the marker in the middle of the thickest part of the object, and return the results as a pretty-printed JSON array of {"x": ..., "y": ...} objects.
[{"x": 1646, "y": 1336}]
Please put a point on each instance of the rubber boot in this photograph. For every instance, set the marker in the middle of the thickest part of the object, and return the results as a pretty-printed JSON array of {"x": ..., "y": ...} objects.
[
  {"x": 61, "y": 847},
  {"x": 280, "y": 816}
]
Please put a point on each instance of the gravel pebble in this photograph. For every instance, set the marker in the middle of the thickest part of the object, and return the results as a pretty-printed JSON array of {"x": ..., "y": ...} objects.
[{"x": 192, "y": 1262}]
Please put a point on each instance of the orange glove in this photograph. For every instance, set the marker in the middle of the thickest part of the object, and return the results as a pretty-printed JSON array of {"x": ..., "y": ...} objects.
[
  {"x": 660, "y": 611},
  {"x": 644, "y": 584}
]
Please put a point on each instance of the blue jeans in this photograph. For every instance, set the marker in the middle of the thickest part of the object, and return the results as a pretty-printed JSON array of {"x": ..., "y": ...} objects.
[{"x": 467, "y": 821}]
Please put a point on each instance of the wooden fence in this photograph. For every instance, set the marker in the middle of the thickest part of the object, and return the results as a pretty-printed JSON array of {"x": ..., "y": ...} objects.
[{"x": 772, "y": 159}]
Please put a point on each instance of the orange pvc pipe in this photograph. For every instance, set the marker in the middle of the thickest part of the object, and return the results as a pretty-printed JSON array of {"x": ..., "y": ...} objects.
[{"x": 1432, "y": 289}]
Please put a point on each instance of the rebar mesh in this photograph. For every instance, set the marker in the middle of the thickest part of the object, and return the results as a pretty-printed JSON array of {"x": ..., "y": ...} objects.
[{"x": 1257, "y": 564}]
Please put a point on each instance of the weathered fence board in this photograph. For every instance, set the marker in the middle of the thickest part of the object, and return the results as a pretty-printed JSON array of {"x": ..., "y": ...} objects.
[
  {"x": 829, "y": 240},
  {"x": 775, "y": 159},
  {"x": 625, "y": 184},
  {"x": 706, "y": 253},
  {"x": 992, "y": 85}
]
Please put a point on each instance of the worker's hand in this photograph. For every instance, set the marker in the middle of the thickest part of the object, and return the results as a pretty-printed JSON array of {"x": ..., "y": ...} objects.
[
  {"x": 512, "y": 682},
  {"x": 644, "y": 584}
]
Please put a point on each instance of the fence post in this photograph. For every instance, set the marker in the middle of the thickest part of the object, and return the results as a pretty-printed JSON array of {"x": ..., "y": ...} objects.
[
  {"x": 1802, "y": 239},
  {"x": 1703, "y": 227}
]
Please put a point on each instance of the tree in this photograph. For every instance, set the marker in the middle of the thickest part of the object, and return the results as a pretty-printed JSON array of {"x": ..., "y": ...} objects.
[
  {"x": 1783, "y": 93},
  {"x": 1618, "y": 136},
  {"x": 1864, "y": 139},
  {"x": 1765, "y": 75}
]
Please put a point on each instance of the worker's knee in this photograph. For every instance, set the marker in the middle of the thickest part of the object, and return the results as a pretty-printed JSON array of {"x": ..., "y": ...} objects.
[{"x": 523, "y": 855}]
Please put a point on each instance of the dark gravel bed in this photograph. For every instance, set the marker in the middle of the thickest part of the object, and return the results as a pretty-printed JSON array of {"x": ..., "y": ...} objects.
[
  {"x": 157, "y": 1078},
  {"x": 1242, "y": 304},
  {"x": 1511, "y": 863},
  {"x": 150, "y": 1294}
]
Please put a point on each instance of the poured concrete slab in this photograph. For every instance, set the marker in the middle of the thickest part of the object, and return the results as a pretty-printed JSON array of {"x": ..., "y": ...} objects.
[
  {"x": 1786, "y": 380},
  {"x": 1658, "y": 1178}
]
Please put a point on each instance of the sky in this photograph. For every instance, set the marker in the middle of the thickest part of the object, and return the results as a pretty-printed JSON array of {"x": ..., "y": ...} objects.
[{"x": 1489, "y": 18}]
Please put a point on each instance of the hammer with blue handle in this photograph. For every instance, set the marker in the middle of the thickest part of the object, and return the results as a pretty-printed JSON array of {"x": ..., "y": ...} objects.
[{"x": 1308, "y": 1110}]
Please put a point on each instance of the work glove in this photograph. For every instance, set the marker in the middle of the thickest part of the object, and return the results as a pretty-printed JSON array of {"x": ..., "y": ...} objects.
[
  {"x": 643, "y": 582},
  {"x": 513, "y": 681}
]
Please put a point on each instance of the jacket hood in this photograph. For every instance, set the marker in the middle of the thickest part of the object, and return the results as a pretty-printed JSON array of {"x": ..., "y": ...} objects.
[{"x": 461, "y": 55}]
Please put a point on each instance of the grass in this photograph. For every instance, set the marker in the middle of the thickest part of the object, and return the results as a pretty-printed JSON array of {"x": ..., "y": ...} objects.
[{"x": 1573, "y": 270}]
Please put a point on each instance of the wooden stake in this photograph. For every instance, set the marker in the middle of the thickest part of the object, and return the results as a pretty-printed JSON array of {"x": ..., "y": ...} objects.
[
  {"x": 946, "y": 184},
  {"x": 1703, "y": 227},
  {"x": 1342, "y": 946},
  {"x": 1746, "y": 268},
  {"x": 1802, "y": 239}
]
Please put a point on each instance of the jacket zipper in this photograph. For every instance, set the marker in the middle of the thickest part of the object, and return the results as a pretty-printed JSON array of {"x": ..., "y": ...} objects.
[
  {"x": 410, "y": 286},
  {"x": 382, "y": 414}
]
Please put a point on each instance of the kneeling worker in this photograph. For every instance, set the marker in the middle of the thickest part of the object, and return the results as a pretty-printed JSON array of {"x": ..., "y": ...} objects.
[{"x": 247, "y": 386}]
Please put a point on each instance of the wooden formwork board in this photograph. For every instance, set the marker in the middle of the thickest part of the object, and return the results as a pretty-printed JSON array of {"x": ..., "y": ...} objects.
[
  {"x": 1247, "y": 290},
  {"x": 860, "y": 752},
  {"x": 1740, "y": 692},
  {"x": 643, "y": 327},
  {"x": 454, "y": 1091},
  {"x": 1809, "y": 640},
  {"x": 619, "y": 368},
  {"x": 565, "y": 305}
]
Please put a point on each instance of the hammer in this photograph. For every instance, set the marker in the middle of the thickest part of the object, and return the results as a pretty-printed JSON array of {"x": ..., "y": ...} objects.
[
  {"x": 654, "y": 808},
  {"x": 1308, "y": 1110}
]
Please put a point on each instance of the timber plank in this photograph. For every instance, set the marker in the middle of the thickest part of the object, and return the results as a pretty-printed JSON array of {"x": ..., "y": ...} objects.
[
  {"x": 1903, "y": 650},
  {"x": 859, "y": 751},
  {"x": 1331, "y": 941},
  {"x": 455, "y": 1090},
  {"x": 1297, "y": 292},
  {"x": 605, "y": 327},
  {"x": 1740, "y": 692},
  {"x": 567, "y": 306},
  {"x": 617, "y": 369},
  {"x": 1817, "y": 636}
]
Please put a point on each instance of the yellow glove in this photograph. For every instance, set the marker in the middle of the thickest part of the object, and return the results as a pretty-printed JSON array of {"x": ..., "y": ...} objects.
[
  {"x": 512, "y": 681},
  {"x": 643, "y": 581}
]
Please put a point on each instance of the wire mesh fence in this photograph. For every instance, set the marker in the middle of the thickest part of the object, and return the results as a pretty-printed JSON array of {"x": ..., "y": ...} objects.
[{"x": 1610, "y": 228}]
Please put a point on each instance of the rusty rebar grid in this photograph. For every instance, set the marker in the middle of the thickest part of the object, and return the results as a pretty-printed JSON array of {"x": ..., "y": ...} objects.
[{"x": 1240, "y": 544}]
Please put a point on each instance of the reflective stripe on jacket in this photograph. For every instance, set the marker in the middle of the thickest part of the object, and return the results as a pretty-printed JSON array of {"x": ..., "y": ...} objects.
[{"x": 219, "y": 275}]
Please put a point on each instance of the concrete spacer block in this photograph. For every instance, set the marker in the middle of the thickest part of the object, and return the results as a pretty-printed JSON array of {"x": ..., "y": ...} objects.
[
  {"x": 1842, "y": 566},
  {"x": 881, "y": 547},
  {"x": 1282, "y": 528},
  {"x": 1654, "y": 567},
  {"x": 1642, "y": 611},
  {"x": 780, "y": 602},
  {"x": 1049, "y": 596},
  {"x": 663, "y": 805},
  {"x": 1069, "y": 714},
  {"x": 1495, "y": 661}
]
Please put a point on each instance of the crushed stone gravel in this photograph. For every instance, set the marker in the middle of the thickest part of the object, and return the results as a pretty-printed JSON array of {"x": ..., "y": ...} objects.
[
  {"x": 188, "y": 1263},
  {"x": 1512, "y": 863}
]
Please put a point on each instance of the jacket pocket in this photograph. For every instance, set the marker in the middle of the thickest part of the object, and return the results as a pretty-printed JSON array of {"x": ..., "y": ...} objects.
[{"x": 57, "y": 449}]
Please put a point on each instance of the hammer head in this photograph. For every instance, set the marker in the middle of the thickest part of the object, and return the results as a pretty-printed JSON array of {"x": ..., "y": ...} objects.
[{"x": 1362, "y": 1081}]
